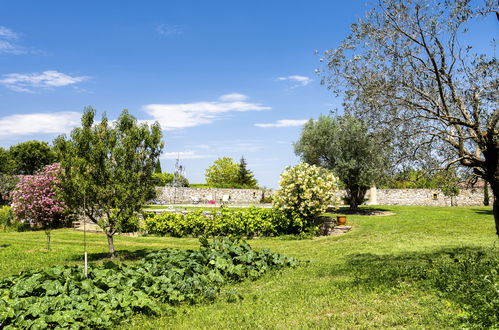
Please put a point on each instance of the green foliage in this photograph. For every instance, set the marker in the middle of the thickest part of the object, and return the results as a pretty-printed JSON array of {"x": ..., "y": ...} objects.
[
  {"x": 107, "y": 169},
  {"x": 411, "y": 179},
  {"x": 249, "y": 222},
  {"x": 162, "y": 179},
  {"x": 223, "y": 172},
  {"x": 471, "y": 280},
  {"x": 62, "y": 297},
  {"x": 6, "y": 163},
  {"x": 6, "y": 217},
  {"x": 345, "y": 145},
  {"x": 30, "y": 156},
  {"x": 245, "y": 177},
  {"x": 157, "y": 168},
  {"x": 305, "y": 191},
  {"x": 448, "y": 183},
  {"x": 166, "y": 179}
]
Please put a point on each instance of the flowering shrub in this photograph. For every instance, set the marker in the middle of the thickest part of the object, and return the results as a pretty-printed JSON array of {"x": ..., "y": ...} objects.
[
  {"x": 35, "y": 197},
  {"x": 305, "y": 192}
]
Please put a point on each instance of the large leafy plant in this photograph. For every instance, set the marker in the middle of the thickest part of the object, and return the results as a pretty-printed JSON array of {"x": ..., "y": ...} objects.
[{"x": 62, "y": 297}]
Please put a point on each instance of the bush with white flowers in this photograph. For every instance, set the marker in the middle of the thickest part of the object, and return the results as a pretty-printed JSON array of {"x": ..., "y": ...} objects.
[{"x": 305, "y": 191}]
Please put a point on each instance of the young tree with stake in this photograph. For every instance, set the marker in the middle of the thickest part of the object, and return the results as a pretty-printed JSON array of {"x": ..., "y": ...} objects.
[{"x": 107, "y": 169}]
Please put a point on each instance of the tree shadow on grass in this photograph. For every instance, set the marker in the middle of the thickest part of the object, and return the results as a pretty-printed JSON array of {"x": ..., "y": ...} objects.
[
  {"x": 467, "y": 276},
  {"x": 121, "y": 255},
  {"x": 485, "y": 212}
]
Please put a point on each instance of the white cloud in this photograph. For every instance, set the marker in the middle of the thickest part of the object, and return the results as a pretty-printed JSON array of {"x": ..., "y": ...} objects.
[
  {"x": 7, "y": 43},
  {"x": 39, "y": 123},
  {"x": 7, "y": 33},
  {"x": 233, "y": 97},
  {"x": 284, "y": 123},
  {"x": 300, "y": 80},
  {"x": 183, "y": 155},
  {"x": 26, "y": 82},
  {"x": 168, "y": 30},
  {"x": 174, "y": 116}
]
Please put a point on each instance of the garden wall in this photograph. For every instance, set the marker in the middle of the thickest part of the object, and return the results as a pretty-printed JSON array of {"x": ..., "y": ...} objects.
[
  {"x": 425, "y": 197},
  {"x": 168, "y": 195}
]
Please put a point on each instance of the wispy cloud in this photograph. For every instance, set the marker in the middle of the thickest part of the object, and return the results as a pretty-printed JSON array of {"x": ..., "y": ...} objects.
[
  {"x": 284, "y": 123},
  {"x": 297, "y": 80},
  {"x": 8, "y": 42},
  {"x": 20, "y": 82},
  {"x": 233, "y": 97},
  {"x": 38, "y": 123},
  {"x": 169, "y": 30},
  {"x": 175, "y": 116},
  {"x": 184, "y": 155}
]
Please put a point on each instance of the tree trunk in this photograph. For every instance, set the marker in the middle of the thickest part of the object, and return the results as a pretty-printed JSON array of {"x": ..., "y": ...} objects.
[
  {"x": 356, "y": 195},
  {"x": 495, "y": 190},
  {"x": 110, "y": 243}
]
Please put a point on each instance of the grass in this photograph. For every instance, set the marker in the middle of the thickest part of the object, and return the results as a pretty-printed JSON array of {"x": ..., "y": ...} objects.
[{"x": 358, "y": 280}]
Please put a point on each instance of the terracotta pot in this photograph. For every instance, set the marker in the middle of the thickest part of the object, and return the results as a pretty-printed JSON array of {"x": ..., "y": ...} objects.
[{"x": 341, "y": 219}]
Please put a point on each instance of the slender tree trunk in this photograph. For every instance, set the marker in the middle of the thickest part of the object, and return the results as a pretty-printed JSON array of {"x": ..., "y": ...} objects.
[
  {"x": 110, "y": 243},
  {"x": 47, "y": 232}
]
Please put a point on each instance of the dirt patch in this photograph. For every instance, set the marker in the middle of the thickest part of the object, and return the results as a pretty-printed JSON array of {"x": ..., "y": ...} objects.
[{"x": 40, "y": 250}]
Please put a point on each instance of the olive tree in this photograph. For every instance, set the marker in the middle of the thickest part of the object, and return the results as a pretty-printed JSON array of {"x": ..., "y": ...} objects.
[
  {"x": 346, "y": 146},
  {"x": 107, "y": 169},
  {"x": 407, "y": 67}
]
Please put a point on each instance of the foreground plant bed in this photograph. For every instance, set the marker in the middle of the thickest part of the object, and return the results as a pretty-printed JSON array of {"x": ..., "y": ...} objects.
[{"x": 62, "y": 296}]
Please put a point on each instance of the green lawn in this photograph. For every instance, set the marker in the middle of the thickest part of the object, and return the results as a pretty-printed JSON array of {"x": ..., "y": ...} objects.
[{"x": 358, "y": 280}]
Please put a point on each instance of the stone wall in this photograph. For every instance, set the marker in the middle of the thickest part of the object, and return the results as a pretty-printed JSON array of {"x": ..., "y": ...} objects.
[
  {"x": 170, "y": 195},
  {"x": 424, "y": 197}
]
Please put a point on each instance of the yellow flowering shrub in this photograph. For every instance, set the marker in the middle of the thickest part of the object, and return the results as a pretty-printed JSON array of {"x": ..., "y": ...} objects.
[{"x": 305, "y": 191}]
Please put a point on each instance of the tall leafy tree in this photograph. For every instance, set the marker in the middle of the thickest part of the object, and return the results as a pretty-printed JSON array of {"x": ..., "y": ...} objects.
[
  {"x": 107, "y": 169},
  {"x": 407, "y": 66},
  {"x": 245, "y": 177},
  {"x": 30, "y": 156},
  {"x": 223, "y": 173},
  {"x": 345, "y": 146}
]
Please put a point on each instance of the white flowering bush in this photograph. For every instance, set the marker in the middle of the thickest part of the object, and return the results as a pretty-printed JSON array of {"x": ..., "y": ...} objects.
[{"x": 305, "y": 192}]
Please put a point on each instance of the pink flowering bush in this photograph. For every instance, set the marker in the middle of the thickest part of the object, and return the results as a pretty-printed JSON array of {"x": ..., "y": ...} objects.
[{"x": 35, "y": 198}]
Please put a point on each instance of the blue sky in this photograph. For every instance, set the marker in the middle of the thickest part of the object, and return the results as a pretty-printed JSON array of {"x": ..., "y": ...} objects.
[{"x": 223, "y": 78}]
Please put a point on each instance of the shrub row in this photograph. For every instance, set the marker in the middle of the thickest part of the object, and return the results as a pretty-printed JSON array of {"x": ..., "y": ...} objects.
[
  {"x": 247, "y": 222},
  {"x": 61, "y": 297}
]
